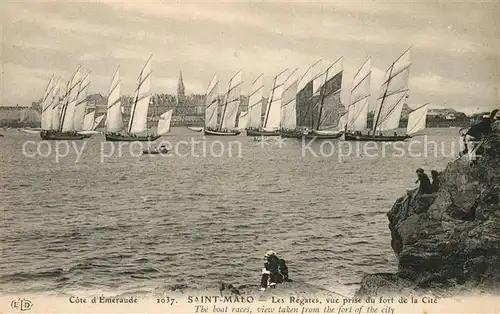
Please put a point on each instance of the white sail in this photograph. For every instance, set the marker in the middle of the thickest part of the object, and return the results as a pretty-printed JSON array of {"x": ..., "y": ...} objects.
[
  {"x": 255, "y": 104},
  {"x": 288, "y": 105},
  {"x": 81, "y": 104},
  {"x": 393, "y": 92},
  {"x": 390, "y": 115},
  {"x": 243, "y": 120},
  {"x": 212, "y": 103},
  {"x": 164, "y": 123},
  {"x": 272, "y": 118},
  {"x": 232, "y": 101},
  {"x": 357, "y": 111},
  {"x": 312, "y": 73},
  {"x": 45, "y": 105},
  {"x": 52, "y": 120},
  {"x": 417, "y": 119},
  {"x": 69, "y": 116},
  {"x": 88, "y": 121},
  {"x": 139, "y": 113},
  {"x": 114, "y": 119},
  {"x": 56, "y": 116},
  {"x": 68, "y": 108},
  {"x": 97, "y": 121}
]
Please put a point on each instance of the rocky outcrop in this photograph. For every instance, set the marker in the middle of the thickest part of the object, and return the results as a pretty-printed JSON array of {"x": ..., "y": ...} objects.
[{"x": 449, "y": 240}]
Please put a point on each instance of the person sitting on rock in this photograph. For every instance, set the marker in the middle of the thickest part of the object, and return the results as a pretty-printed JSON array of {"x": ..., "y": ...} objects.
[
  {"x": 275, "y": 270},
  {"x": 435, "y": 181},
  {"x": 425, "y": 183},
  {"x": 476, "y": 133}
]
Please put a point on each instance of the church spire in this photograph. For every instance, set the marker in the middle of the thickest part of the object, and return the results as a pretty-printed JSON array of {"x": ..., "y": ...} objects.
[{"x": 181, "y": 96}]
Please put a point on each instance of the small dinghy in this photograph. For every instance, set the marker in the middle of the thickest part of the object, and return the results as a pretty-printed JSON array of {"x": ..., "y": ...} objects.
[
  {"x": 156, "y": 151},
  {"x": 195, "y": 128}
]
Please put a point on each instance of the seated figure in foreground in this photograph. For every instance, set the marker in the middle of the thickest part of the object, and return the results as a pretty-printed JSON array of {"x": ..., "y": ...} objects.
[{"x": 274, "y": 271}]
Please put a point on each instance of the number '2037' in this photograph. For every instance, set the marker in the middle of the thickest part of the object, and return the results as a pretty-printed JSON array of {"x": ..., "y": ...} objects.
[{"x": 165, "y": 300}]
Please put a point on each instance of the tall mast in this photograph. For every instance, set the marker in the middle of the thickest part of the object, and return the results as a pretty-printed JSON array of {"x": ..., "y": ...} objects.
[
  {"x": 302, "y": 77},
  {"x": 110, "y": 91},
  {"x": 229, "y": 88},
  {"x": 324, "y": 92},
  {"x": 386, "y": 90},
  {"x": 271, "y": 97},
  {"x": 383, "y": 99},
  {"x": 352, "y": 88},
  {"x": 69, "y": 88},
  {"x": 48, "y": 91},
  {"x": 137, "y": 95}
]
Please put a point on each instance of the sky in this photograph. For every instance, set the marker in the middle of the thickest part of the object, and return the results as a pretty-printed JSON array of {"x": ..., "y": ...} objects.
[{"x": 454, "y": 54}]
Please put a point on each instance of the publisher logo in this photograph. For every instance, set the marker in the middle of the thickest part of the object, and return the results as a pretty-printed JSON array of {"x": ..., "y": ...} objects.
[{"x": 21, "y": 305}]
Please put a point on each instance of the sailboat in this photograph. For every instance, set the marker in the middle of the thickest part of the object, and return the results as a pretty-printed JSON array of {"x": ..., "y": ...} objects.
[
  {"x": 393, "y": 93},
  {"x": 354, "y": 121},
  {"x": 49, "y": 98},
  {"x": 295, "y": 104},
  {"x": 162, "y": 129},
  {"x": 325, "y": 105},
  {"x": 139, "y": 113},
  {"x": 81, "y": 104},
  {"x": 114, "y": 110},
  {"x": 62, "y": 127},
  {"x": 227, "y": 125},
  {"x": 212, "y": 104},
  {"x": 272, "y": 117}
]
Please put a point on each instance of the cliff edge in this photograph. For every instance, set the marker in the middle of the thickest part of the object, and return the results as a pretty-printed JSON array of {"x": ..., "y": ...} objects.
[{"x": 448, "y": 242}]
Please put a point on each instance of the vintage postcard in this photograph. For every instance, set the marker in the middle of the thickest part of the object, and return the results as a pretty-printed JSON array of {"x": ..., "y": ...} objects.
[{"x": 250, "y": 157}]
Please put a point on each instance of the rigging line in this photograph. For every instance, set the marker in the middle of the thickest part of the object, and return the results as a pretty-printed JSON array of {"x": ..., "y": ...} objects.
[
  {"x": 382, "y": 102},
  {"x": 271, "y": 98}
]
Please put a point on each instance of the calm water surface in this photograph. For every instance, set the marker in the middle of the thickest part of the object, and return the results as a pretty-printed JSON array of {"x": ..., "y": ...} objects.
[{"x": 140, "y": 224}]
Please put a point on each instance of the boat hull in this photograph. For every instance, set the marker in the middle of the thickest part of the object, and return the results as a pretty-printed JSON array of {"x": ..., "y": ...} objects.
[
  {"x": 251, "y": 132},
  {"x": 375, "y": 138},
  {"x": 146, "y": 152},
  {"x": 221, "y": 133},
  {"x": 312, "y": 135},
  {"x": 290, "y": 134},
  {"x": 61, "y": 136},
  {"x": 319, "y": 136},
  {"x": 129, "y": 138},
  {"x": 195, "y": 128},
  {"x": 31, "y": 131}
]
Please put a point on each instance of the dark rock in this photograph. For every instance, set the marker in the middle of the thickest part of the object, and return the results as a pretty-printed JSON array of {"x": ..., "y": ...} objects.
[{"x": 449, "y": 240}]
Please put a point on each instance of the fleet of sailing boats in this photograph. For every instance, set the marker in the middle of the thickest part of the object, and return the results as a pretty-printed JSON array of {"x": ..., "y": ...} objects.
[
  {"x": 305, "y": 107},
  {"x": 393, "y": 95},
  {"x": 64, "y": 121}
]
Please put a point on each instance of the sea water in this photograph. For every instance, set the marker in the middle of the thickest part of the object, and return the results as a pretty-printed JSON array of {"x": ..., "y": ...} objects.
[{"x": 126, "y": 222}]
